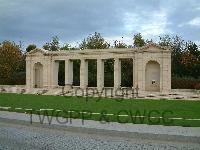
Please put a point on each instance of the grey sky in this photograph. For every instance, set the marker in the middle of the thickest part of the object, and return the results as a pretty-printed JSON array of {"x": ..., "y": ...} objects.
[{"x": 36, "y": 21}]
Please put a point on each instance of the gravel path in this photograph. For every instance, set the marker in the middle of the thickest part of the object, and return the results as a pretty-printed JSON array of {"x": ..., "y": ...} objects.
[
  {"x": 111, "y": 126},
  {"x": 30, "y": 137}
]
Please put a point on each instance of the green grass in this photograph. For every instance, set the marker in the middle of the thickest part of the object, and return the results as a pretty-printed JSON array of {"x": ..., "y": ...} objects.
[{"x": 178, "y": 108}]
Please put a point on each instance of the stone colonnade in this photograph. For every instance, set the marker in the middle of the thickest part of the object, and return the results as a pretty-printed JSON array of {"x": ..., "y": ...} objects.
[
  {"x": 151, "y": 67},
  {"x": 84, "y": 73}
]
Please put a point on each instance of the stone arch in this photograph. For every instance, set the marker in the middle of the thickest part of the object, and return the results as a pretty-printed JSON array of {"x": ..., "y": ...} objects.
[
  {"x": 152, "y": 76},
  {"x": 38, "y": 75}
]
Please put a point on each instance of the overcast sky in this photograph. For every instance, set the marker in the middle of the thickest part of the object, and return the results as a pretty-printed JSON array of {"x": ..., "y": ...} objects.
[{"x": 36, "y": 21}]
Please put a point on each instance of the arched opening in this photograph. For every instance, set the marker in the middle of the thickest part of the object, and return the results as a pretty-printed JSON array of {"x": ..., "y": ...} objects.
[
  {"x": 152, "y": 76},
  {"x": 38, "y": 79}
]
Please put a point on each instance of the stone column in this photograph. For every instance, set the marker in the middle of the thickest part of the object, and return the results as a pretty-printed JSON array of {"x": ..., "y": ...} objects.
[
  {"x": 169, "y": 74},
  {"x": 55, "y": 65},
  {"x": 83, "y": 74},
  {"x": 32, "y": 73},
  {"x": 28, "y": 73},
  {"x": 68, "y": 73},
  {"x": 140, "y": 72},
  {"x": 49, "y": 71},
  {"x": 166, "y": 73},
  {"x": 100, "y": 74},
  {"x": 134, "y": 76},
  {"x": 117, "y": 73},
  {"x": 46, "y": 72},
  {"x": 135, "y": 71}
]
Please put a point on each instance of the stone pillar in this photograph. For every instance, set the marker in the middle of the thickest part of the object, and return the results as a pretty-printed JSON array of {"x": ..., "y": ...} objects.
[
  {"x": 55, "y": 65},
  {"x": 49, "y": 71},
  {"x": 140, "y": 72},
  {"x": 100, "y": 74},
  {"x": 28, "y": 73},
  {"x": 46, "y": 72},
  {"x": 68, "y": 73},
  {"x": 117, "y": 73},
  {"x": 169, "y": 74},
  {"x": 84, "y": 74},
  {"x": 135, "y": 71},
  {"x": 134, "y": 76},
  {"x": 32, "y": 73},
  {"x": 166, "y": 73}
]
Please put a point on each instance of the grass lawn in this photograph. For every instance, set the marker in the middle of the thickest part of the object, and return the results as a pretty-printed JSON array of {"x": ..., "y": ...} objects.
[{"x": 128, "y": 109}]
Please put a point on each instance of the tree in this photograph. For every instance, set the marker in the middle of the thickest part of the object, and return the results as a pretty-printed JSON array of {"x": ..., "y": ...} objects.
[
  {"x": 53, "y": 45},
  {"x": 177, "y": 45},
  {"x": 191, "y": 60},
  {"x": 66, "y": 47},
  {"x": 165, "y": 40},
  {"x": 30, "y": 47},
  {"x": 149, "y": 41},
  {"x": 138, "y": 41},
  {"x": 12, "y": 61},
  {"x": 119, "y": 44},
  {"x": 94, "y": 41},
  {"x": 185, "y": 56}
]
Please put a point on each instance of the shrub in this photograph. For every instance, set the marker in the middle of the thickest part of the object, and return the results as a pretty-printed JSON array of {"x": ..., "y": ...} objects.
[
  {"x": 18, "y": 78},
  {"x": 197, "y": 86},
  {"x": 185, "y": 83}
]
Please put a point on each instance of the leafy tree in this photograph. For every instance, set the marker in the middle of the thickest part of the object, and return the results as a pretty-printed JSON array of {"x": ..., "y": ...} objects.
[
  {"x": 53, "y": 45},
  {"x": 94, "y": 41},
  {"x": 119, "y": 44},
  {"x": 165, "y": 40},
  {"x": 66, "y": 47},
  {"x": 12, "y": 61},
  {"x": 185, "y": 56},
  {"x": 191, "y": 60},
  {"x": 30, "y": 47},
  {"x": 138, "y": 40},
  {"x": 177, "y": 45},
  {"x": 149, "y": 41}
]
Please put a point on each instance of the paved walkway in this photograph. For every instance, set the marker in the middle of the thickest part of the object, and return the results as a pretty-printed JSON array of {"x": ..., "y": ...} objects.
[
  {"x": 191, "y": 134},
  {"x": 21, "y": 137}
]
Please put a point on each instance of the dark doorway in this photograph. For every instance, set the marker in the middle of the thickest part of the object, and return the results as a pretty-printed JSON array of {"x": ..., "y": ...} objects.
[
  {"x": 76, "y": 72},
  {"x": 109, "y": 73},
  {"x": 127, "y": 72},
  {"x": 92, "y": 73}
]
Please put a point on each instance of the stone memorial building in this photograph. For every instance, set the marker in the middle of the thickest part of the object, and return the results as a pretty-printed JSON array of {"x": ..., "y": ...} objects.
[{"x": 151, "y": 67}]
